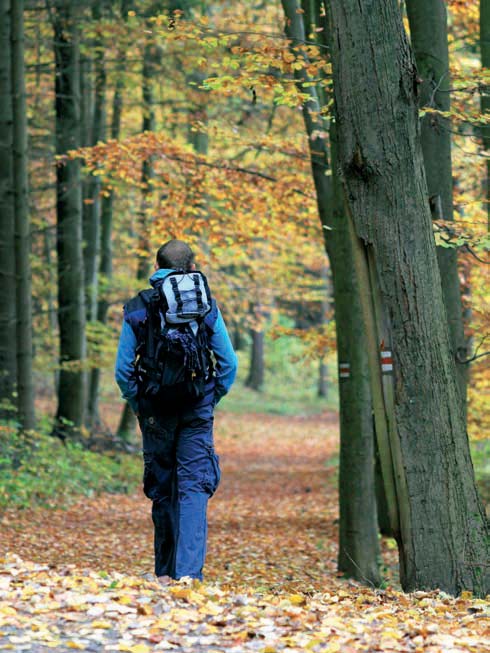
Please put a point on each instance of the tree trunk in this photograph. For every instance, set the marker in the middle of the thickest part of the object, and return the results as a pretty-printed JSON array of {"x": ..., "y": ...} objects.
[
  {"x": 443, "y": 537},
  {"x": 71, "y": 296},
  {"x": 255, "y": 378},
  {"x": 107, "y": 206},
  {"x": 149, "y": 123},
  {"x": 25, "y": 383},
  {"x": 485, "y": 97},
  {"x": 358, "y": 533},
  {"x": 8, "y": 343},
  {"x": 428, "y": 32},
  {"x": 322, "y": 390},
  {"x": 127, "y": 424},
  {"x": 93, "y": 219}
]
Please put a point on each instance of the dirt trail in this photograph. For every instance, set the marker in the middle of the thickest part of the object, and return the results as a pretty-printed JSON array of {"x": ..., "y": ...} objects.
[{"x": 271, "y": 523}]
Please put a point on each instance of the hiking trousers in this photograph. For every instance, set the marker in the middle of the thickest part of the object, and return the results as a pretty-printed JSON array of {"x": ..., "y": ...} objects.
[{"x": 181, "y": 472}]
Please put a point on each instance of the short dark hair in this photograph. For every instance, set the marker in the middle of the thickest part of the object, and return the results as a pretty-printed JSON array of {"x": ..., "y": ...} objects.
[{"x": 175, "y": 254}]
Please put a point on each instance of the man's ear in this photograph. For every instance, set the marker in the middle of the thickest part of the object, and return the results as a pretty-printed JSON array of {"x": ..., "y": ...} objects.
[
  {"x": 155, "y": 267},
  {"x": 193, "y": 267}
]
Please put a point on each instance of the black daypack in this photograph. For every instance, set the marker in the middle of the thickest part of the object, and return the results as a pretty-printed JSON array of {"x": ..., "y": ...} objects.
[{"x": 173, "y": 358}]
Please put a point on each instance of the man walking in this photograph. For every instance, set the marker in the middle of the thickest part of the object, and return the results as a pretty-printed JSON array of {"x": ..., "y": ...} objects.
[{"x": 174, "y": 405}]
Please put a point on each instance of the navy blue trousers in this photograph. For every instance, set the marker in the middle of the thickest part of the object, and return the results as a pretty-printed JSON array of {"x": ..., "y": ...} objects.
[{"x": 181, "y": 472}]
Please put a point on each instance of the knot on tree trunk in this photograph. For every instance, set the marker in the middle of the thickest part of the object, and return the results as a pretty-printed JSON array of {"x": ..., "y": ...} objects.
[{"x": 359, "y": 167}]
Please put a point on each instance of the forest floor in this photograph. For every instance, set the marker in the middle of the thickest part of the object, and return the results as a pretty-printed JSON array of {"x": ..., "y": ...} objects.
[{"x": 80, "y": 578}]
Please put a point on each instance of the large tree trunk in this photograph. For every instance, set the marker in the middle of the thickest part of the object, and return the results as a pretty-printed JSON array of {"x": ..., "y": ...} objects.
[
  {"x": 71, "y": 296},
  {"x": 8, "y": 345},
  {"x": 428, "y": 32},
  {"x": 358, "y": 533},
  {"x": 485, "y": 97},
  {"x": 443, "y": 536},
  {"x": 25, "y": 383}
]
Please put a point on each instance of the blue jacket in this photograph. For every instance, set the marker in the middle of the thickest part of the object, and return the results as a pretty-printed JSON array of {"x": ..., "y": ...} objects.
[{"x": 220, "y": 344}]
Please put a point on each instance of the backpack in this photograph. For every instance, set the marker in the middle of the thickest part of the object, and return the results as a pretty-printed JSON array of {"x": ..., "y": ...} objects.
[{"x": 173, "y": 359}]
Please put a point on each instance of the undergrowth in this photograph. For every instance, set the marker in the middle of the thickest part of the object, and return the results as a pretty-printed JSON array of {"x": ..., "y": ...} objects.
[{"x": 37, "y": 469}]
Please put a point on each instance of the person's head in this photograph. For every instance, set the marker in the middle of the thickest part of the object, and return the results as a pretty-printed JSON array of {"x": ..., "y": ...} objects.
[{"x": 175, "y": 254}]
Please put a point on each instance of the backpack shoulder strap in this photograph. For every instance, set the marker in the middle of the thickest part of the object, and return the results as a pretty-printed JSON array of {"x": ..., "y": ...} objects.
[{"x": 212, "y": 316}]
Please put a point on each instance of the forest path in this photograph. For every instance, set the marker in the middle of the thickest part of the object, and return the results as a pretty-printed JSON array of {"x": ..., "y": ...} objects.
[
  {"x": 79, "y": 579},
  {"x": 271, "y": 523}
]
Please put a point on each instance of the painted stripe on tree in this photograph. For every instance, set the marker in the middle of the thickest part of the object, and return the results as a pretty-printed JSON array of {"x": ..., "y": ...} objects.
[
  {"x": 344, "y": 370},
  {"x": 386, "y": 360}
]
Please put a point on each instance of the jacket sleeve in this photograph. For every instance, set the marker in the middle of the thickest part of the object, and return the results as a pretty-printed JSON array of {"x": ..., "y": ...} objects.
[
  {"x": 126, "y": 354},
  {"x": 226, "y": 359}
]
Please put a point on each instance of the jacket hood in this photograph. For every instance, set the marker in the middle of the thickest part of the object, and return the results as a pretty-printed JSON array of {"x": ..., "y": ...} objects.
[{"x": 159, "y": 276}]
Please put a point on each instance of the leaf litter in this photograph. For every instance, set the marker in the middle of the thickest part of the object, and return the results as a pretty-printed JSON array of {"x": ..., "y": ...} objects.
[{"x": 80, "y": 578}]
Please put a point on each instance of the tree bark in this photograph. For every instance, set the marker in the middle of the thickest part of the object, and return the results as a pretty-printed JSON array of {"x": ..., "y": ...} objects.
[
  {"x": 358, "y": 533},
  {"x": 8, "y": 342},
  {"x": 25, "y": 383},
  {"x": 71, "y": 296},
  {"x": 443, "y": 539},
  {"x": 485, "y": 97},
  {"x": 428, "y": 33}
]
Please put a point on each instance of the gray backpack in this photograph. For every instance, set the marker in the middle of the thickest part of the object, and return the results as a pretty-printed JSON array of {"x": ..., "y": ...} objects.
[{"x": 173, "y": 359}]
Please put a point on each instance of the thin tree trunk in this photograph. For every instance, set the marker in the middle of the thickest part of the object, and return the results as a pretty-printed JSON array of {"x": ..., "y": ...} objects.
[
  {"x": 49, "y": 246},
  {"x": 428, "y": 32},
  {"x": 358, "y": 532},
  {"x": 93, "y": 219},
  {"x": 25, "y": 384},
  {"x": 485, "y": 97},
  {"x": 255, "y": 378},
  {"x": 128, "y": 420},
  {"x": 443, "y": 539},
  {"x": 107, "y": 207},
  {"x": 127, "y": 424},
  {"x": 71, "y": 296},
  {"x": 149, "y": 123},
  {"x": 323, "y": 380},
  {"x": 8, "y": 342}
]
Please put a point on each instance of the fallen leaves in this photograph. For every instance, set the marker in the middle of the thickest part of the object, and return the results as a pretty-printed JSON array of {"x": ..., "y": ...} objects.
[{"x": 271, "y": 578}]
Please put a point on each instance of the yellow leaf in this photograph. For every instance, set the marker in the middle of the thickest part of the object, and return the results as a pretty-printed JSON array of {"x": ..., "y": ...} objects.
[
  {"x": 181, "y": 592},
  {"x": 125, "y": 600},
  {"x": 466, "y": 595},
  {"x": 76, "y": 645},
  {"x": 296, "y": 599},
  {"x": 102, "y": 624},
  {"x": 139, "y": 648}
]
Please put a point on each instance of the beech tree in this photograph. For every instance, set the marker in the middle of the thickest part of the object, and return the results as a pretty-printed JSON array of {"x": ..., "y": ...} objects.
[
  {"x": 485, "y": 98},
  {"x": 71, "y": 294},
  {"x": 22, "y": 241},
  {"x": 358, "y": 533},
  {"x": 441, "y": 528},
  {"x": 16, "y": 382},
  {"x": 8, "y": 344},
  {"x": 428, "y": 35}
]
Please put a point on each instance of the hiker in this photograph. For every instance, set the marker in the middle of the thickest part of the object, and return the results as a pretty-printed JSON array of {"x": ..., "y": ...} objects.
[{"x": 165, "y": 369}]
